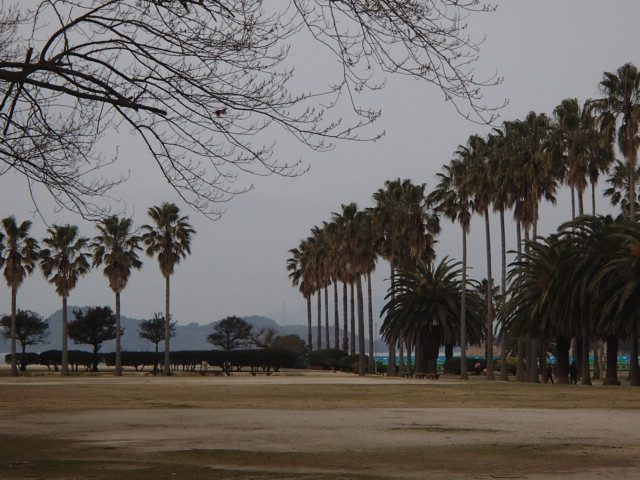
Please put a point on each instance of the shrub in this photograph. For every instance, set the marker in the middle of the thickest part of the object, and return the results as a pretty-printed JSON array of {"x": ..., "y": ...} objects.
[
  {"x": 512, "y": 365},
  {"x": 452, "y": 365},
  {"x": 349, "y": 363},
  {"x": 326, "y": 359}
]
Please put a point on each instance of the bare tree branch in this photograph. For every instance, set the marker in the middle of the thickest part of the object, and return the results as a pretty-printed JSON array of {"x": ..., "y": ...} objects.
[{"x": 202, "y": 83}]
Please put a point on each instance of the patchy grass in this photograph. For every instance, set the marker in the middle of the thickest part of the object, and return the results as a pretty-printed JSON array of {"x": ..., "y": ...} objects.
[
  {"x": 41, "y": 457},
  {"x": 49, "y": 393},
  {"x": 38, "y": 458}
]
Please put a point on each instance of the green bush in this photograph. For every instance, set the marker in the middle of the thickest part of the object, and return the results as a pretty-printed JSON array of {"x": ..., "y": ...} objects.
[
  {"x": 452, "y": 365},
  {"x": 326, "y": 359},
  {"x": 349, "y": 363},
  {"x": 512, "y": 365}
]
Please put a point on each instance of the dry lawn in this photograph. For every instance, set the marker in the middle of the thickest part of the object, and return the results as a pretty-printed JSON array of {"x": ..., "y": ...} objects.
[{"x": 313, "y": 425}]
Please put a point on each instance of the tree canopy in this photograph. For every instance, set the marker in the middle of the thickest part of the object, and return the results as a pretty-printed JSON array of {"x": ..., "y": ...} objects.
[
  {"x": 199, "y": 82},
  {"x": 230, "y": 333}
]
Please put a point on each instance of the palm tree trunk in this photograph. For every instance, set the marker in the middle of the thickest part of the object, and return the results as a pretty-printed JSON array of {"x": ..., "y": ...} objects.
[
  {"x": 352, "y": 343},
  {"x": 391, "y": 365},
  {"x": 309, "y": 325},
  {"x": 504, "y": 373},
  {"x": 372, "y": 360},
  {"x": 463, "y": 310},
  {"x": 362, "y": 365},
  {"x": 118, "y": 371},
  {"x": 611, "y": 377},
  {"x": 401, "y": 371},
  {"x": 534, "y": 370},
  {"x": 326, "y": 317},
  {"x": 563, "y": 345},
  {"x": 345, "y": 317},
  {"x": 64, "y": 368},
  {"x": 336, "y": 315},
  {"x": 593, "y": 199},
  {"x": 520, "y": 367},
  {"x": 167, "y": 328},
  {"x": 580, "y": 202},
  {"x": 319, "y": 312},
  {"x": 489, "y": 342},
  {"x": 14, "y": 322},
  {"x": 573, "y": 203},
  {"x": 633, "y": 360},
  {"x": 586, "y": 348}
]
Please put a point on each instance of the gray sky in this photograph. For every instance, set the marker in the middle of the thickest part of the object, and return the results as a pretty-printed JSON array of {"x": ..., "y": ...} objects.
[{"x": 546, "y": 50}]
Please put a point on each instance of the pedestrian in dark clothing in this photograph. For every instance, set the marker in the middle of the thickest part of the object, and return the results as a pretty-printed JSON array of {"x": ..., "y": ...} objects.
[
  {"x": 550, "y": 373},
  {"x": 573, "y": 373}
]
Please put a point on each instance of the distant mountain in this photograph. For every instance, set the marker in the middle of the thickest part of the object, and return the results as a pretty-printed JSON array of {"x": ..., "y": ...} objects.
[{"x": 188, "y": 337}]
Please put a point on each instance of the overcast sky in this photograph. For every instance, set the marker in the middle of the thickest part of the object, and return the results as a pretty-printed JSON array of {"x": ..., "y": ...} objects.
[{"x": 546, "y": 50}]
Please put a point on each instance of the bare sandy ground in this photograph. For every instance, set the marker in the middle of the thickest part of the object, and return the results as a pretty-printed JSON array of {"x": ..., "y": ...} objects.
[{"x": 339, "y": 430}]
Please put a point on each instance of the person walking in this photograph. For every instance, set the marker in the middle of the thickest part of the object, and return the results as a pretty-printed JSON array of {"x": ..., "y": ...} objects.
[
  {"x": 550, "y": 373},
  {"x": 573, "y": 373}
]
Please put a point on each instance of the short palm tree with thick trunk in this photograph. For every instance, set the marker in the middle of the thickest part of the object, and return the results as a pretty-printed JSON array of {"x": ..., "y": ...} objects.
[
  {"x": 20, "y": 257},
  {"x": 116, "y": 247},
  {"x": 169, "y": 240},
  {"x": 424, "y": 304},
  {"x": 63, "y": 263}
]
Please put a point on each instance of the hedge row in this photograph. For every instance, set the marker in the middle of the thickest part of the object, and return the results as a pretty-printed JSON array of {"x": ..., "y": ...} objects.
[{"x": 186, "y": 360}]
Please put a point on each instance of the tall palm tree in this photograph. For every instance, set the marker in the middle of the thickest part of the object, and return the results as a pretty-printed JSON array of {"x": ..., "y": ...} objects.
[
  {"x": 20, "y": 257},
  {"x": 296, "y": 265},
  {"x": 360, "y": 258},
  {"x": 499, "y": 156},
  {"x": 579, "y": 140},
  {"x": 476, "y": 160},
  {"x": 169, "y": 239},
  {"x": 621, "y": 100},
  {"x": 116, "y": 246},
  {"x": 63, "y": 263},
  {"x": 406, "y": 227},
  {"x": 619, "y": 191},
  {"x": 450, "y": 198}
]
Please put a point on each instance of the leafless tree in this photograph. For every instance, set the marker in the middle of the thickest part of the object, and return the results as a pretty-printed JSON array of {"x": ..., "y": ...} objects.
[{"x": 204, "y": 83}]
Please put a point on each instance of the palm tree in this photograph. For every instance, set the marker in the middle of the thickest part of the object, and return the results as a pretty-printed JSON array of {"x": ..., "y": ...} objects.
[
  {"x": 541, "y": 302},
  {"x": 502, "y": 198},
  {"x": 406, "y": 227},
  {"x": 116, "y": 246},
  {"x": 296, "y": 265},
  {"x": 169, "y": 238},
  {"x": 475, "y": 158},
  {"x": 424, "y": 304},
  {"x": 450, "y": 198},
  {"x": 63, "y": 263},
  {"x": 583, "y": 144},
  {"x": 20, "y": 257},
  {"x": 619, "y": 191},
  {"x": 621, "y": 100},
  {"x": 359, "y": 259}
]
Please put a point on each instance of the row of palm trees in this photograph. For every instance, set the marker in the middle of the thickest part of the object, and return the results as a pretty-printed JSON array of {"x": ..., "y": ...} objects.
[
  {"x": 400, "y": 228},
  {"x": 513, "y": 168},
  {"x": 67, "y": 256}
]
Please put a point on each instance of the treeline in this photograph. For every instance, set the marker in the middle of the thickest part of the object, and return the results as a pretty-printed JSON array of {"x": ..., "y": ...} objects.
[
  {"x": 567, "y": 294},
  {"x": 64, "y": 256}
]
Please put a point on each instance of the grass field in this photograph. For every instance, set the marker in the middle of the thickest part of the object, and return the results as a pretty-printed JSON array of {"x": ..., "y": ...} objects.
[{"x": 312, "y": 425}]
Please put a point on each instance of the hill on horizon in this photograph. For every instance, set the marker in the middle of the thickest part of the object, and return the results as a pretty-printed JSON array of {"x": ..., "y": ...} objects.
[{"x": 188, "y": 337}]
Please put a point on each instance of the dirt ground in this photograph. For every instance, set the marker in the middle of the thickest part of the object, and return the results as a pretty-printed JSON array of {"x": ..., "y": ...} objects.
[{"x": 357, "y": 440}]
